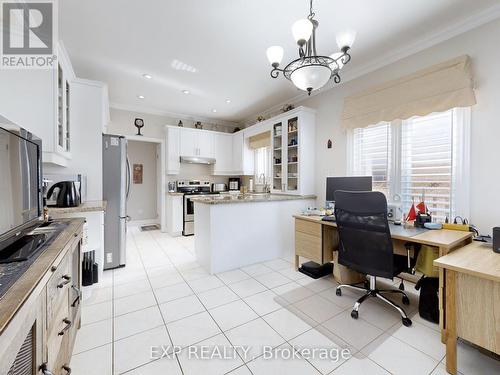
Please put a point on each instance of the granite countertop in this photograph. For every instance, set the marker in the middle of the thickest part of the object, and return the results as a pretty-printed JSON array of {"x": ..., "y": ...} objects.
[
  {"x": 89, "y": 206},
  {"x": 175, "y": 194},
  {"x": 248, "y": 198}
]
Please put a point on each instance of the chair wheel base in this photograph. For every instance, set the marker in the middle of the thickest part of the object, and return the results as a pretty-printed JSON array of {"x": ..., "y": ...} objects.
[
  {"x": 406, "y": 322},
  {"x": 354, "y": 314},
  {"x": 406, "y": 300},
  {"x": 338, "y": 292}
]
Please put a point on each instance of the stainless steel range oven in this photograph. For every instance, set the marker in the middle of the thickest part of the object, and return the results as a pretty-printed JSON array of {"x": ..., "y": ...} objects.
[{"x": 191, "y": 189}]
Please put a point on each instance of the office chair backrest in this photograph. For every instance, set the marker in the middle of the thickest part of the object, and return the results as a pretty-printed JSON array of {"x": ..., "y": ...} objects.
[{"x": 365, "y": 239}]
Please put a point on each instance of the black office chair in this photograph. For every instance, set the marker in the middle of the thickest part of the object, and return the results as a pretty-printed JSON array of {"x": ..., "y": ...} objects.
[{"x": 365, "y": 245}]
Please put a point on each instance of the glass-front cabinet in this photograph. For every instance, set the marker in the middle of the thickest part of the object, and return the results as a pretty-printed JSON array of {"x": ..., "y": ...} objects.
[
  {"x": 293, "y": 137},
  {"x": 278, "y": 157},
  {"x": 63, "y": 132}
]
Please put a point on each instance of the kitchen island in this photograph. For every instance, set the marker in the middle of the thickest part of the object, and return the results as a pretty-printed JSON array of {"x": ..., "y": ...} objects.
[{"x": 236, "y": 231}]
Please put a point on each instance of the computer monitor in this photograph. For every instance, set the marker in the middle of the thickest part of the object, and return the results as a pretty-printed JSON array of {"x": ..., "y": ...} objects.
[{"x": 357, "y": 183}]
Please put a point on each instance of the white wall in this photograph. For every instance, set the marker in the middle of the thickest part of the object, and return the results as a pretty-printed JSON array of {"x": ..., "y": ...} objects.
[
  {"x": 482, "y": 45},
  {"x": 142, "y": 201},
  {"x": 122, "y": 123}
]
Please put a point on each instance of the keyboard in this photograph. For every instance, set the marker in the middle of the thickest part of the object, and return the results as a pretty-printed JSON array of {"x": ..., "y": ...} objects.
[{"x": 330, "y": 218}]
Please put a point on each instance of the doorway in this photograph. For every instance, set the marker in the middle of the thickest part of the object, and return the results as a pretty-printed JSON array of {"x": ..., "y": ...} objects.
[{"x": 146, "y": 198}]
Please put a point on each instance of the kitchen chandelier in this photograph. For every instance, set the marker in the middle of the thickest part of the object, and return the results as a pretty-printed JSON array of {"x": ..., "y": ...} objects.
[{"x": 311, "y": 71}]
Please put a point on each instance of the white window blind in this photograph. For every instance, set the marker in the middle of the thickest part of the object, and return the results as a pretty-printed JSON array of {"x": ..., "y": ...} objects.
[
  {"x": 372, "y": 154},
  {"x": 426, "y": 163},
  {"x": 422, "y": 156}
]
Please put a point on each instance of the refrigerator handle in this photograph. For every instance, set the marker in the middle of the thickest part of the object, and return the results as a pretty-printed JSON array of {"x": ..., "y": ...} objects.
[{"x": 128, "y": 179}]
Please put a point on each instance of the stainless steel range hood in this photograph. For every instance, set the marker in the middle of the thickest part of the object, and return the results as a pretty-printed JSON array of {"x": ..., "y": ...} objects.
[{"x": 197, "y": 160}]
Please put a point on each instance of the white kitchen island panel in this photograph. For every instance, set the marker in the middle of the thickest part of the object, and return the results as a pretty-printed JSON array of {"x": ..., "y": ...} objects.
[{"x": 230, "y": 236}]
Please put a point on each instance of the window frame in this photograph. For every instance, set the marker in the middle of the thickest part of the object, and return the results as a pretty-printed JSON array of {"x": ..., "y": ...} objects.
[{"x": 460, "y": 182}]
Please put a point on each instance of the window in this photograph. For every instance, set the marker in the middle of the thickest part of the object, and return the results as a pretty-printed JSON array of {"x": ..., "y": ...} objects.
[
  {"x": 420, "y": 158},
  {"x": 372, "y": 154},
  {"x": 262, "y": 164}
]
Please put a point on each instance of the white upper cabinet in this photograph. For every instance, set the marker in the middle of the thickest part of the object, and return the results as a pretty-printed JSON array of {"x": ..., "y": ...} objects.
[
  {"x": 173, "y": 149},
  {"x": 39, "y": 100},
  {"x": 197, "y": 143},
  {"x": 206, "y": 144},
  {"x": 243, "y": 158},
  {"x": 293, "y": 142},
  {"x": 223, "y": 154}
]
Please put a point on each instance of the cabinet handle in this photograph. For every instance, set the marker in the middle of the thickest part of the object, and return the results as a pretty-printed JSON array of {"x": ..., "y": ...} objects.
[
  {"x": 79, "y": 295},
  {"x": 67, "y": 280},
  {"x": 43, "y": 368},
  {"x": 68, "y": 325},
  {"x": 67, "y": 369}
]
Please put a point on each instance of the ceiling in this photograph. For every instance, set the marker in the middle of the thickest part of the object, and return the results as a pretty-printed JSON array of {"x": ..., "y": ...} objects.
[{"x": 216, "y": 49}]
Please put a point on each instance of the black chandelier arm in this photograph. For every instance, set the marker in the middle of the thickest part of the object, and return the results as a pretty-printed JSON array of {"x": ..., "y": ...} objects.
[
  {"x": 275, "y": 72},
  {"x": 336, "y": 77},
  {"x": 346, "y": 58}
]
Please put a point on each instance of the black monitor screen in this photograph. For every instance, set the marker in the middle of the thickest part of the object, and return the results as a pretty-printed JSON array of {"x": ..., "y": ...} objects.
[{"x": 359, "y": 183}]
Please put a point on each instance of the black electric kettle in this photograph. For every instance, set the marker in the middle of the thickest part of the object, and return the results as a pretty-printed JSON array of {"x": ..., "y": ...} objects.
[{"x": 67, "y": 194}]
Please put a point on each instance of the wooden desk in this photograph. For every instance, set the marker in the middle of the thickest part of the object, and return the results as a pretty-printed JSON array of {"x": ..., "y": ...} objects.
[
  {"x": 472, "y": 297},
  {"x": 445, "y": 240},
  {"x": 316, "y": 240}
]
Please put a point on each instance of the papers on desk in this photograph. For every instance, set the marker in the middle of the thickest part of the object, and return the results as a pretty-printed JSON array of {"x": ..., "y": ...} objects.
[{"x": 401, "y": 230}]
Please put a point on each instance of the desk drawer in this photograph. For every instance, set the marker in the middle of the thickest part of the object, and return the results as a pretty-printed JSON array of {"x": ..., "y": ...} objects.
[
  {"x": 309, "y": 246},
  {"x": 308, "y": 227}
]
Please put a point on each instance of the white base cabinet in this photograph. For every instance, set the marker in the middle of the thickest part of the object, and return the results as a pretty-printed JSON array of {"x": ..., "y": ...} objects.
[
  {"x": 93, "y": 233},
  {"x": 174, "y": 214}
]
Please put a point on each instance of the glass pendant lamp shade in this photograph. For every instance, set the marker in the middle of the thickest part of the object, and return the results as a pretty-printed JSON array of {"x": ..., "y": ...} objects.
[
  {"x": 302, "y": 30},
  {"x": 345, "y": 38},
  {"x": 309, "y": 78},
  {"x": 275, "y": 55}
]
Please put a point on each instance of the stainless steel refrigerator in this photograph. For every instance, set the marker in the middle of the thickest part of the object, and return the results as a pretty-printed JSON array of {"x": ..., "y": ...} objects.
[{"x": 115, "y": 189}]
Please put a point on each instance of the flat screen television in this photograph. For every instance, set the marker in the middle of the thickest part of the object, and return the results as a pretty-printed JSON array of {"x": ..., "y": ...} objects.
[{"x": 20, "y": 181}]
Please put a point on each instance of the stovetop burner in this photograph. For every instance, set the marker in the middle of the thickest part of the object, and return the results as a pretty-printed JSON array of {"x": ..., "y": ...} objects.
[{"x": 14, "y": 262}]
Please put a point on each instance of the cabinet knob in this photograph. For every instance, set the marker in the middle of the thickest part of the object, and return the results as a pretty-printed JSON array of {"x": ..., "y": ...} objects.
[{"x": 53, "y": 268}]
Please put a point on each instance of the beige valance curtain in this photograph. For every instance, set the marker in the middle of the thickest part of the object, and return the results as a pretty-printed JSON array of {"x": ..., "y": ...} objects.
[
  {"x": 435, "y": 89},
  {"x": 260, "y": 140}
]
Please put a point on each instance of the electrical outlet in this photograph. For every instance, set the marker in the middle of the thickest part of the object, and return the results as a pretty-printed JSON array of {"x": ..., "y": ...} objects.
[{"x": 109, "y": 257}]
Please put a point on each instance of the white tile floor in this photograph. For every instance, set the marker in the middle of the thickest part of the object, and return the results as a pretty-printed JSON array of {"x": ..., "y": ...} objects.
[{"x": 163, "y": 297}]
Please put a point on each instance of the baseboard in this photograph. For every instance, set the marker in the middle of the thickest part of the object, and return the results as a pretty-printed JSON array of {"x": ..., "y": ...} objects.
[{"x": 138, "y": 223}]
